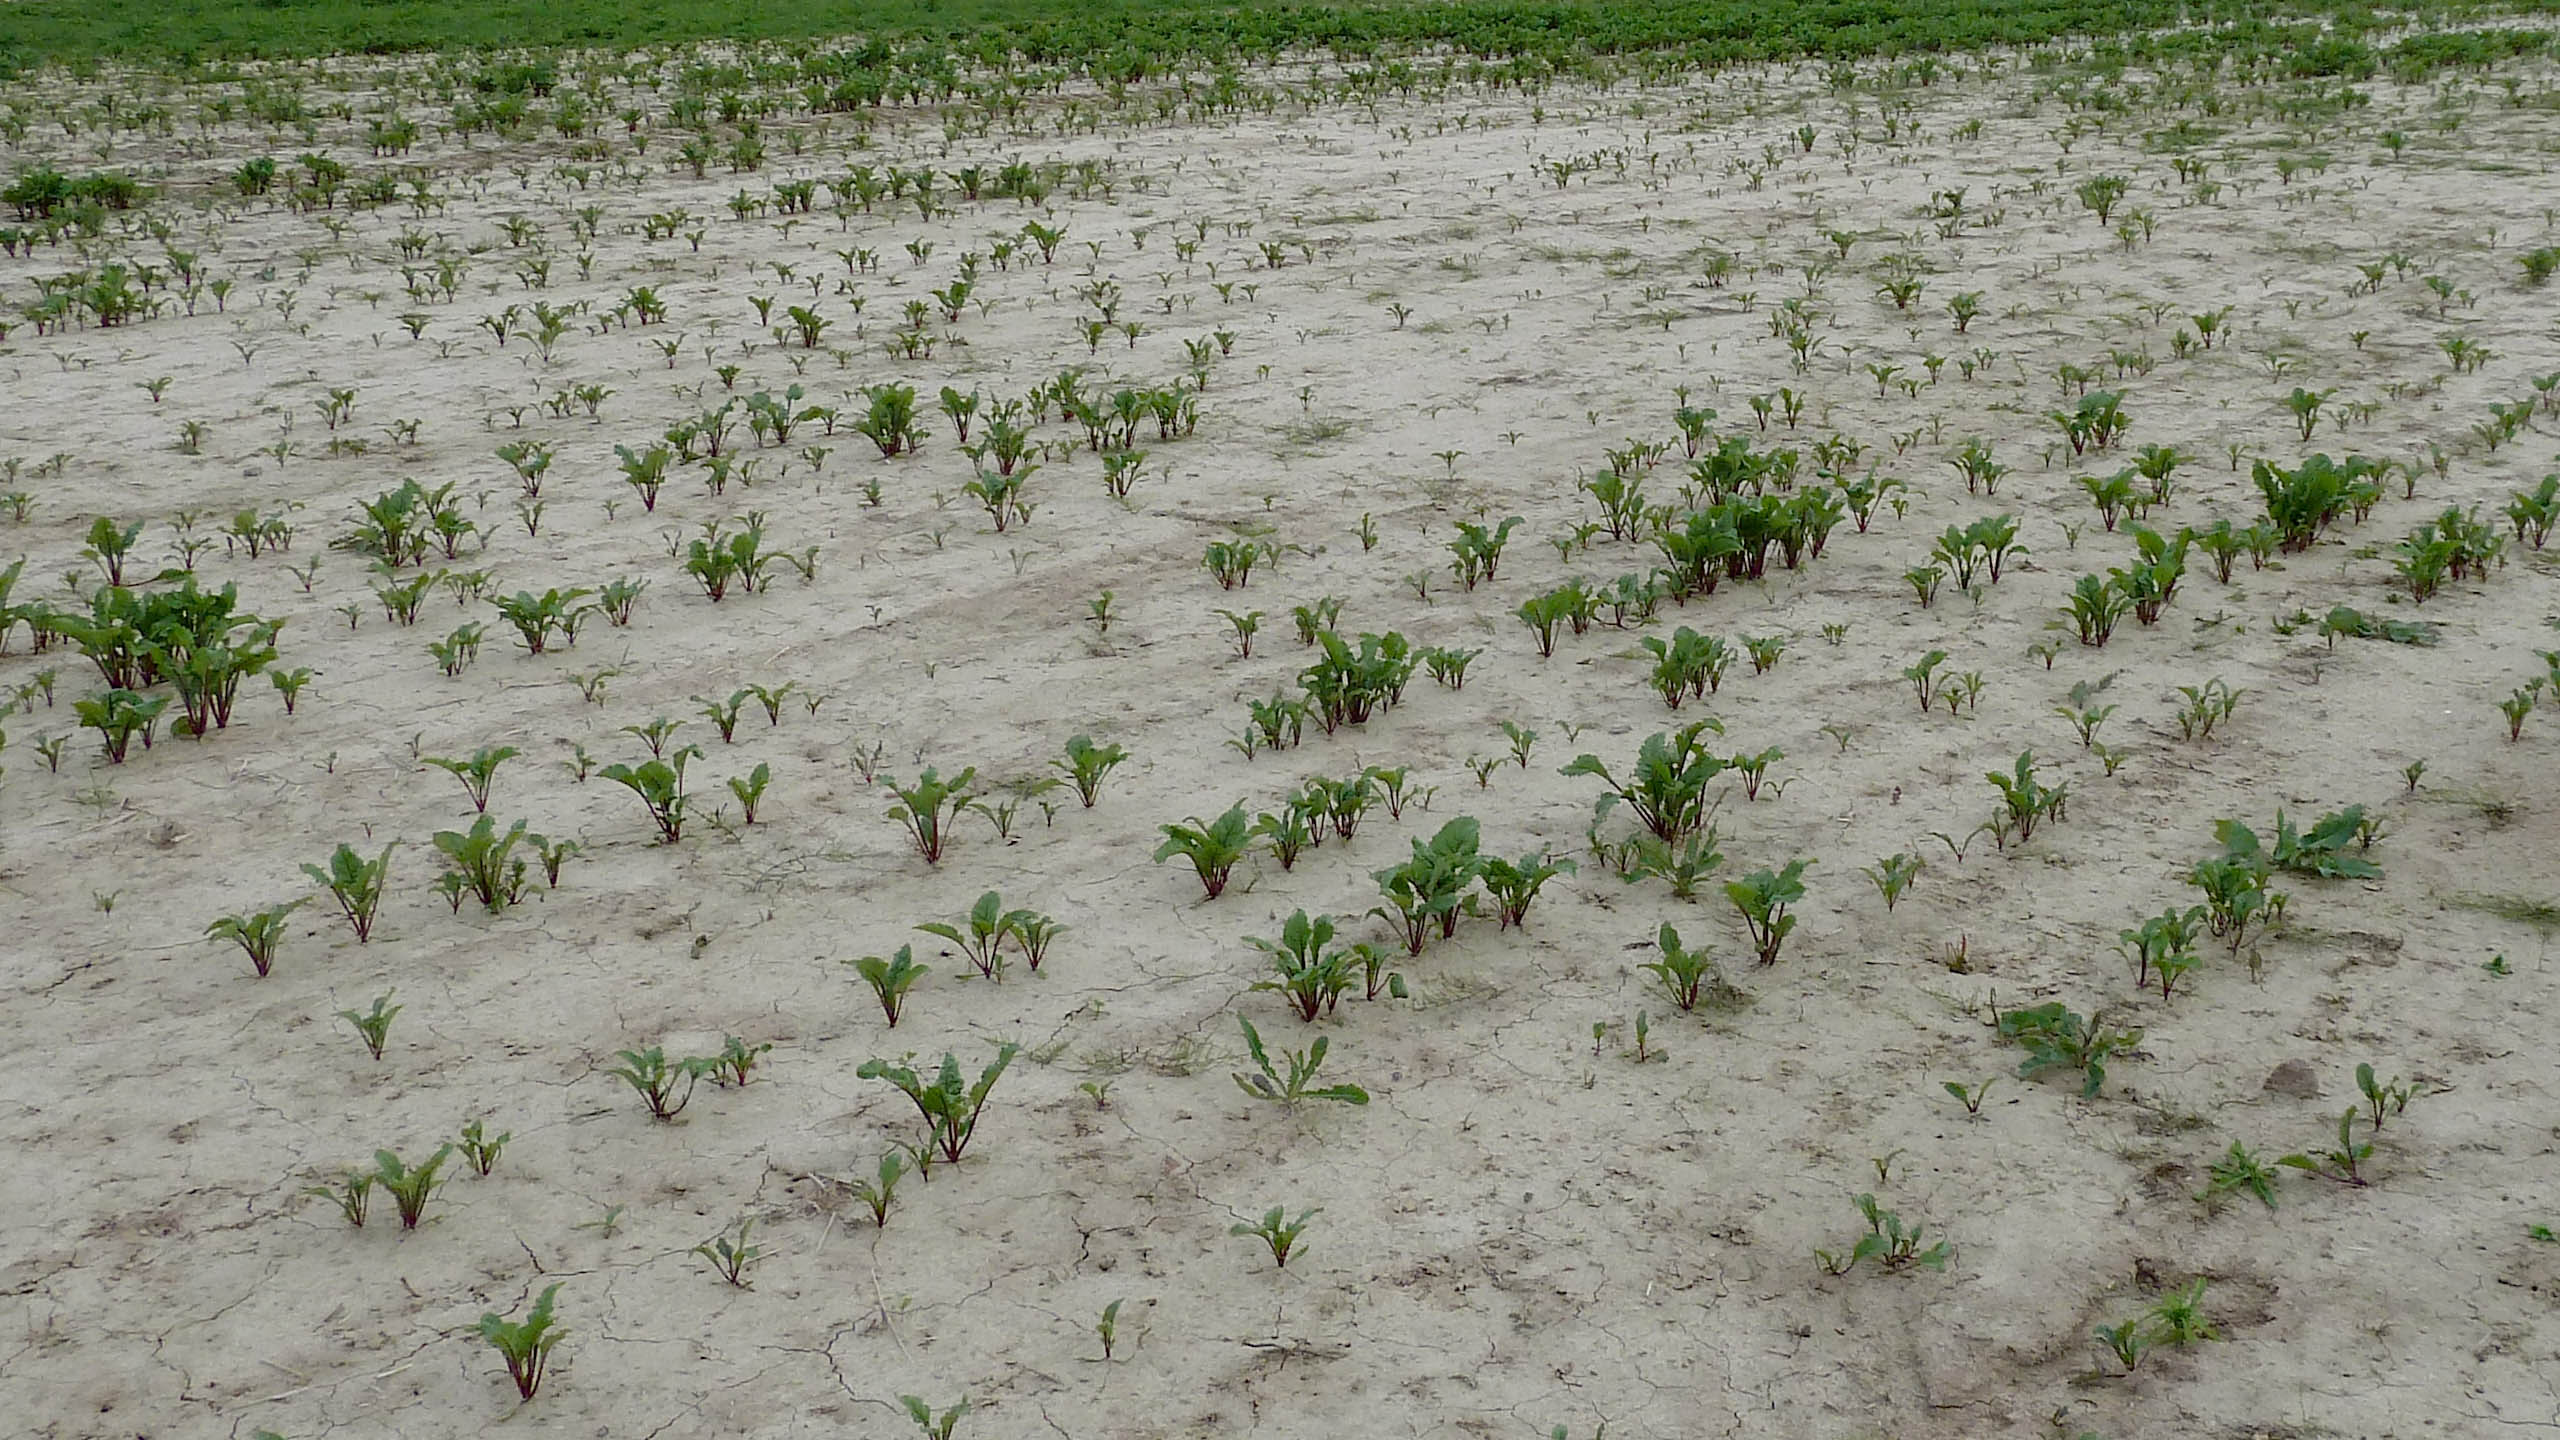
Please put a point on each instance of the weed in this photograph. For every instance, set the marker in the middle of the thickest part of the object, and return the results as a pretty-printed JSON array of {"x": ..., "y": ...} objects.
[
  {"x": 1298, "y": 1085},
  {"x": 1888, "y": 1241},
  {"x": 1970, "y": 1096},
  {"x": 2056, "y": 1038},
  {"x": 2345, "y": 1164},
  {"x": 2240, "y": 1170}
]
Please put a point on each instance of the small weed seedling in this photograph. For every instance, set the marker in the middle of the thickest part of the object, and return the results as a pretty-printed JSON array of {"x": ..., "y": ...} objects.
[
  {"x": 2344, "y": 1164},
  {"x": 525, "y": 1344},
  {"x": 1278, "y": 1233},
  {"x": 1888, "y": 1242},
  {"x": 2237, "y": 1170},
  {"x": 2058, "y": 1039},
  {"x": 1299, "y": 1083}
]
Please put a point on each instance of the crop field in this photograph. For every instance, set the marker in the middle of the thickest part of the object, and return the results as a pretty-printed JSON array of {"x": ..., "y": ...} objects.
[{"x": 760, "y": 736}]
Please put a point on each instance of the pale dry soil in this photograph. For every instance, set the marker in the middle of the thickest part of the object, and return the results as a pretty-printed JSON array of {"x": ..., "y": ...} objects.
[{"x": 1524, "y": 1229}]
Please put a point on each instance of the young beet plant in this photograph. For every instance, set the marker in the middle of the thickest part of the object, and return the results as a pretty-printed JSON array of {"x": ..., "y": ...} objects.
[
  {"x": 1278, "y": 1233},
  {"x": 990, "y": 928},
  {"x": 659, "y": 783},
  {"x": 525, "y": 1345},
  {"x": 259, "y": 936},
  {"x": 1212, "y": 846},
  {"x": 949, "y": 1104},
  {"x": 1763, "y": 898},
  {"x": 890, "y": 979},
  {"x": 929, "y": 807},
  {"x": 356, "y": 884}
]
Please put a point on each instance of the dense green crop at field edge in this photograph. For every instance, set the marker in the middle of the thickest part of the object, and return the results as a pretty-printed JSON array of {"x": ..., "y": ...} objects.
[{"x": 82, "y": 32}]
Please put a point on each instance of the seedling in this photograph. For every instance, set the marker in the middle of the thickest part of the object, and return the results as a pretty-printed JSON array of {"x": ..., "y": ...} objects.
[
  {"x": 1278, "y": 1234},
  {"x": 1108, "y": 1328},
  {"x": 1970, "y": 1096},
  {"x": 1763, "y": 898},
  {"x": 2056, "y": 1038},
  {"x": 482, "y": 863},
  {"x": 1514, "y": 885},
  {"x": 665, "y": 1086},
  {"x": 928, "y": 807},
  {"x": 1684, "y": 974},
  {"x": 374, "y": 1025},
  {"x": 659, "y": 783},
  {"x": 409, "y": 1186},
  {"x": 353, "y": 1195},
  {"x": 1305, "y": 967},
  {"x": 525, "y": 1345},
  {"x": 950, "y": 1106},
  {"x": 1888, "y": 1242},
  {"x": 480, "y": 1149},
  {"x": 730, "y": 1253},
  {"x": 877, "y": 1193},
  {"x": 1212, "y": 846},
  {"x": 2126, "y": 1341},
  {"x": 735, "y": 1063},
  {"x": 2379, "y": 1098},
  {"x": 990, "y": 926},
  {"x": 1086, "y": 764},
  {"x": 1893, "y": 875},
  {"x": 2343, "y": 1164},
  {"x": 259, "y": 936},
  {"x": 934, "y": 1427},
  {"x": 2240, "y": 1170},
  {"x": 1298, "y": 1085},
  {"x": 356, "y": 884},
  {"x": 890, "y": 979}
]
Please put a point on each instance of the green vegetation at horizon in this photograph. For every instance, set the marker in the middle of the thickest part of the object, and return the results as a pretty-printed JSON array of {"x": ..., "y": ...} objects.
[{"x": 85, "y": 32}]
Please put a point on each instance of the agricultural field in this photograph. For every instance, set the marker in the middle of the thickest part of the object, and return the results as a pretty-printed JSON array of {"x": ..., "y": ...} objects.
[{"x": 793, "y": 739}]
